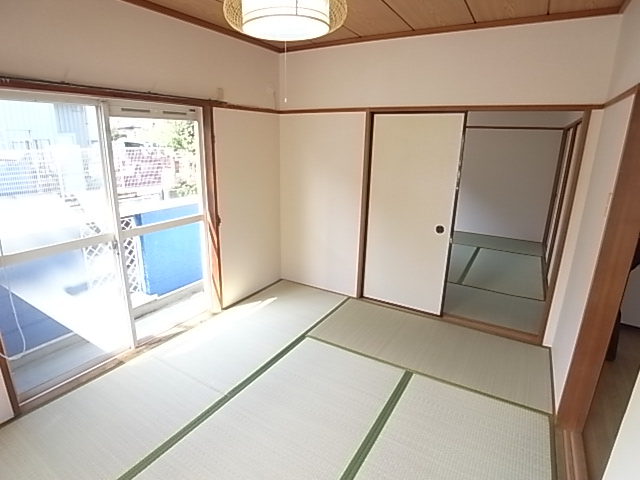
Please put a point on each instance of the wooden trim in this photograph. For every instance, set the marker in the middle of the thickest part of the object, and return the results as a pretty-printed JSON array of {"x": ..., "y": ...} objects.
[
  {"x": 505, "y": 332},
  {"x": 201, "y": 23},
  {"x": 10, "y": 83},
  {"x": 447, "y": 109},
  {"x": 325, "y": 110},
  {"x": 545, "y": 287},
  {"x": 622, "y": 96},
  {"x": 554, "y": 190},
  {"x": 570, "y": 456},
  {"x": 564, "y": 227},
  {"x": 607, "y": 287},
  {"x": 575, "y": 123},
  {"x": 92, "y": 91},
  {"x": 212, "y": 217},
  {"x": 13, "y": 83},
  {"x": 246, "y": 108},
  {"x": 462, "y": 28},
  {"x": 454, "y": 212},
  {"x": 364, "y": 204},
  {"x": 563, "y": 190},
  {"x": 624, "y": 6},
  {"x": 495, "y": 127},
  {"x": 473, "y": 17},
  {"x": 5, "y": 373}
]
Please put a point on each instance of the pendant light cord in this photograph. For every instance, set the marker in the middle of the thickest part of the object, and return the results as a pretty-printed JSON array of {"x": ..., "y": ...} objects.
[
  {"x": 13, "y": 308},
  {"x": 285, "y": 71}
]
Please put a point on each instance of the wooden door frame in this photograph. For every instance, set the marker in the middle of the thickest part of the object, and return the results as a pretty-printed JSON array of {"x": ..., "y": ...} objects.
[
  {"x": 609, "y": 281},
  {"x": 577, "y": 146}
]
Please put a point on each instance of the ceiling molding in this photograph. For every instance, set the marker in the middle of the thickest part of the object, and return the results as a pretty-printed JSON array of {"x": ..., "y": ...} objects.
[
  {"x": 148, "y": 5},
  {"x": 464, "y": 28},
  {"x": 318, "y": 43}
]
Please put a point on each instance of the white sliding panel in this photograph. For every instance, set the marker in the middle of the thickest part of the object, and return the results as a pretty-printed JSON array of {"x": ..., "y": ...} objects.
[
  {"x": 247, "y": 161},
  {"x": 414, "y": 175},
  {"x": 321, "y": 163}
]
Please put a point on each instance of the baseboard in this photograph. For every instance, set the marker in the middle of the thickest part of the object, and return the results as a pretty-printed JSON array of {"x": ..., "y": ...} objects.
[{"x": 570, "y": 456}]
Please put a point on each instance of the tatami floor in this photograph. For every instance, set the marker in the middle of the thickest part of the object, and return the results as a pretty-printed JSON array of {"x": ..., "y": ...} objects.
[
  {"x": 496, "y": 280},
  {"x": 301, "y": 383}
]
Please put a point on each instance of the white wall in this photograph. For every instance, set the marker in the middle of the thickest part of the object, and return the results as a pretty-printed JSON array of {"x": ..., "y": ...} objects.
[
  {"x": 248, "y": 171},
  {"x": 321, "y": 167},
  {"x": 589, "y": 217},
  {"x": 545, "y": 63},
  {"x": 626, "y": 71},
  {"x": 6, "y": 412},
  {"x": 624, "y": 463},
  {"x": 506, "y": 183},
  {"x": 118, "y": 45}
]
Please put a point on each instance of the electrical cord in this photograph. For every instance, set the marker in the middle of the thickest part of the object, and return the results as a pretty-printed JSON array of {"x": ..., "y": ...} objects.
[{"x": 13, "y": 308}]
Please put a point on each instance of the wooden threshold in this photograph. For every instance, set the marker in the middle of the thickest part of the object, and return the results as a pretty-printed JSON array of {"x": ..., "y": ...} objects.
[
  {"x": 570, "y": 458},
  {"x": 462, "y": 322},
  {"x": 497, "y": 330}
]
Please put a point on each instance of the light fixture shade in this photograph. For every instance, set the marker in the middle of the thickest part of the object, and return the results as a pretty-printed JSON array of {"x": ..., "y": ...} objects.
[{"x": 285, "y": 20}]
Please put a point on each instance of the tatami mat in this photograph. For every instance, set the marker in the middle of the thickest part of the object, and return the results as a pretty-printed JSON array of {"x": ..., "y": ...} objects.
[
  {"x": 439, "y": 432},
  {"x": 103, "y": 428},
  {"x": 506, "y": 272},
  {"x": 460, "y": 257},
  {"x": 302, "y": 419},
  {"x": 228, "y": 348},
  {"x": 498, "y": 243},
  {"x": 517, "y": 313},
  {"x": 507, "y": 369}
]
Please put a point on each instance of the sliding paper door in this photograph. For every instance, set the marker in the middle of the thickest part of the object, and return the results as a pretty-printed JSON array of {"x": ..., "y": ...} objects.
[{"x": 414, "y": 176}]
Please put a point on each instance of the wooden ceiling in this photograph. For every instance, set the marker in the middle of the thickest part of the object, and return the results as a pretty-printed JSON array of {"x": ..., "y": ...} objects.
[{"x": 381, "y": 19}]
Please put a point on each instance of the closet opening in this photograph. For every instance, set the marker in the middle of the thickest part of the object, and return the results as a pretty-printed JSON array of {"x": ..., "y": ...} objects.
[
  {"x": 467, "y": 214},
  {"x": 517, "y": 179}
]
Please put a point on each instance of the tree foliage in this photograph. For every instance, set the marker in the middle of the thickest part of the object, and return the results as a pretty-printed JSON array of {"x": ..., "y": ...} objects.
[{"x": 182, "y": 136}]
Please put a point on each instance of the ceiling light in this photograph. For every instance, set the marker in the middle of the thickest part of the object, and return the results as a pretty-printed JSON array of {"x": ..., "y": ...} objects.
[{"x": 285, "y": 20}]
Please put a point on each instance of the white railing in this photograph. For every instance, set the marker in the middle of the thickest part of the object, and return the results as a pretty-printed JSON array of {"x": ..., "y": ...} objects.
[{"x": 67, "y": 170}]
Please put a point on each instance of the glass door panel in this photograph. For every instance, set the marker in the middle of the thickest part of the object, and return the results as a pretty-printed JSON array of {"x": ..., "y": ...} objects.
[
  {"x": 70, "y": 309},
  {"x": 158, "y": 172},
  {"x": 157, "y": 163},
  {"x": 51, "y": 177},
  {"x": 60, "y": 279}
]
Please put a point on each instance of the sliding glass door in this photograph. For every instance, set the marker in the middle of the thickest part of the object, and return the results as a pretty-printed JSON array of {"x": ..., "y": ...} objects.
[
  {"x": 156, "y": 155},
  {"x": 101, "y": 231},
  {"x": 62, "y": 302}
]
